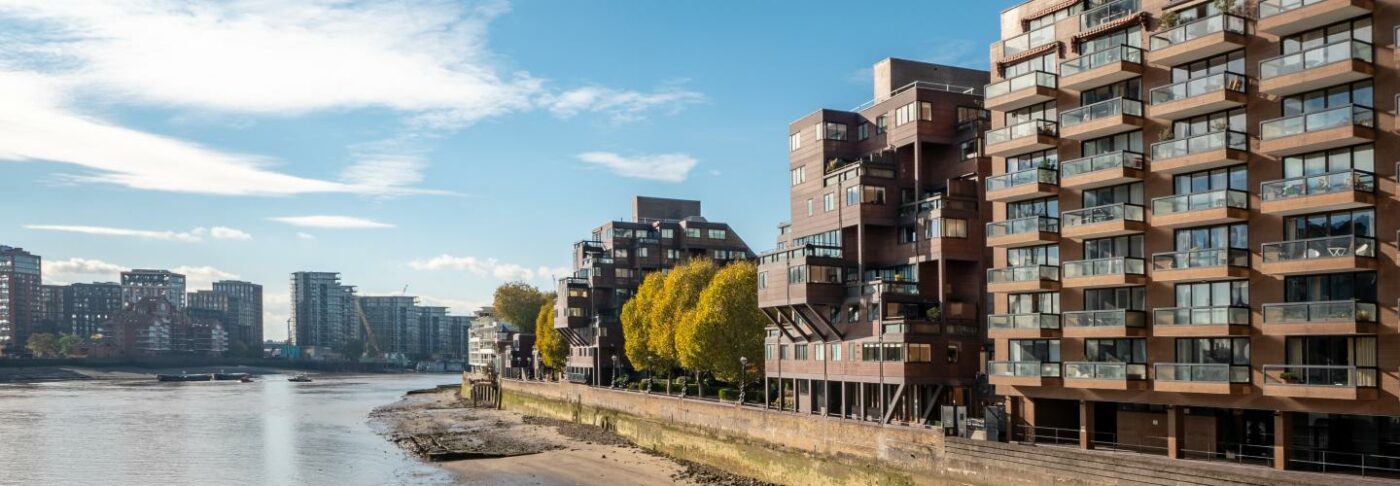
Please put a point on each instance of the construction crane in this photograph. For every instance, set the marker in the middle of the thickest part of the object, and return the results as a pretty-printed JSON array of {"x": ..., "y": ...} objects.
[{"x": 373, "y": 343}]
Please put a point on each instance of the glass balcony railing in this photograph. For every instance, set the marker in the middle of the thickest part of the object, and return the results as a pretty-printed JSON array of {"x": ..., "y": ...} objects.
[
  {"x": 1323, "y": 55},
  {"x": 1313, "y": 185},
  {"x": 1196, "y": 29},
  {"x": 1200, "y": 201},
  {"x": 1210, "y": 258},
  {"x": 1102, "y": 214},
  {"x": 1037, "y": 175},
  {"x": 1099, "y": 267},
  {"x": 1318, "y": 248},
  {"x": 1028, "y": 369},
  {"x": 937, "y": 202},
  {"x": 1027, "y": 273},
  {"x": 1104, "y": 370},
  {"x": 1270, "y": 8},
  {"x": 1107, "y": 12},
  {"x": 878, "y": 287},
  {"x": 1100, "y": 110},
  {"x": 1102, "y": 57},
  {"x": 1192, "y": 88},
  {"x": 1320, "y": 375},
  {"x": 1023, "y": 321},
  {"x": 1200, "y": 316},
  {"x": 1019, "y": 226},
  {"x": 1105, "y": 318},
  {"x": 1337, "y": 117},
  {"x": 1305, "y": 312},
  {"x": 1027, "y": 41},
  {"x": 1018, "y": 131},
  {"x": 1202, "y": 372},
  {"x": 1202, "y": 143},
  {"x": 1111, "y": 160},
  {"x": 1029, "y": 80}
]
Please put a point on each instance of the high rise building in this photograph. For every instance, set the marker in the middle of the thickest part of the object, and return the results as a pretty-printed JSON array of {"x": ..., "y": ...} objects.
[
  {"x": 141, "y": 284},
  {"x": 1192, "y": 223},
  {"x": 429, "y": 328},
  {"x": 323, "y": 315},
  {"x": 874, "y": 293},
  {"x": 248, "y": 314},
  {"x": 609, "y": 266},
  {"x": 391, "y": 319},
  {"x": 20, "y": 280},
  {"x": 459, "y": 329},
  {"x": 50, "y": 317},
  {"x": 87, "y": 306}
]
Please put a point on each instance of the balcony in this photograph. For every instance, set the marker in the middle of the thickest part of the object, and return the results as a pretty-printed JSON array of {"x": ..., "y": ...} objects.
[
  {"x": 1318, "y": 193},
  {"x": 1101, "y": 119},
  {"x": 1320, "y": 318},
  {"x": 1320, "y": 381},
  {"x": 1107, "y": 12},
  {"x": 1023, "y": 373},
  {"x": 1200, "y": 321},
  {"x": 1105, "y": 272},
  {"x": 1198, "y": 39},
  {"x": 1023, "y": 137},
  {"x": 936, "y": 204},
  {"x": 1200, "y": 152},
  {"x": 1317, "y": 131},
  {"x": 1029, "y": 231},
  {"x": 1200, "y": 209},
  {"x": 1021, "y": 91},
  {"x": 1105, "y": 323},
  {"x": 1023, "y": 278},
  {"x": 1102, "y": 221},
  {"x": 1101, "y": 68},
  {"x": 1284, "y": 17},
  {"x": 1200, "y": 265},
  {"x": 1317, "y": 68},
  {"x": 1194, "y": 97},
  {"x": 1209, "y": 378},
  {"x": 1101, "y": 170},
  {"x": 1019, "y": 326},
  {"x": 1028, "y": 41},
  {"x": 1105, "y": 375},
  {"x": 1318, "y": 255},
  {"x": 1031, "y": 183}
]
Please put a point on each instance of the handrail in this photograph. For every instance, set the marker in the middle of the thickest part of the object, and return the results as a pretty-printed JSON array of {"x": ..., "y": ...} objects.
[
  {"x": 1023, "y": 368},
  {"x": 1105, "y": 266},
  {"x": 1317, "y": 248},
  {"x": 1340, "y": 376},
  {"x": 1023, "y": 273},
  {"x": 1093, "y": 163},
  {"x": 1027, "y": 41},
  {"x": 951, "y": 88},
  {"x": 1197, "y": 201},
  {"x": 1201, "y": 316},
  {"x": 1035, "y": 320},
  {"x": 1034, "y": 175},
  {"x": 1202, "y": 372},
  {"x": 1319, "y": 311},
  {"x": 1107, "y": 12},
  {"x": 1100, "y": 214},
  {"x": 1198, "y": 28},
  {"x": 1224, "y": 81},
  {"x": 1102, "y": 57},
  {"x": 1270, "y": 8},
  {"x": 1104, "y": 370},
  {"x": 1100, "y": 110},
  {"x": 1027, "y": 224},
  {"x": 1301, "y": 123},
  {"x": 1028, "y": 80},
  {"x": 1311, "y": 58},
  {"x": 1005, "y": 134},
  {"x": 1206, "y": 258},
  {"x": 1196, "y": 144},
  {"x": 1105, "y": 318},
  {"x": 1311, "y": 185}
]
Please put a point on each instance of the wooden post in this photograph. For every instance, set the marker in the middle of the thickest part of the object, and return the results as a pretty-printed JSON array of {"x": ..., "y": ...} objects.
[{"x": 1283, "y": 428}]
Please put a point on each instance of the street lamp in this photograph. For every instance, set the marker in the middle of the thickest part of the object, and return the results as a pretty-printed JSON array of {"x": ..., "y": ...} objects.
[
  {"x": 743, "y": 376},
  {"x": 614, "y": 373}
]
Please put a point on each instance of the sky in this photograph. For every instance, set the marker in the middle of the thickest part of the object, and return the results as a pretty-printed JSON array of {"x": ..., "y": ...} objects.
[{"x": 445, "y": 147}]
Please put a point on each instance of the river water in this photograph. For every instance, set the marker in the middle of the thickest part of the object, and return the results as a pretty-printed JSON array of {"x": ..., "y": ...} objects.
[{"x": 271, "y": 432}]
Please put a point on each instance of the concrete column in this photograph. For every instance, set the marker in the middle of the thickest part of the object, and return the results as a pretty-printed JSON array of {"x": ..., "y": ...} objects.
[
  {"x": 1283, "y": 429},
  {"x": 767, "y": 383},
  {"x": 1176, "y": 431},
  {"x": 845, "y": 409},
  {"x": 860, "y": 395},
  {"x": 1086, "y": 424},
  {"x": 1013, "y": 418}
]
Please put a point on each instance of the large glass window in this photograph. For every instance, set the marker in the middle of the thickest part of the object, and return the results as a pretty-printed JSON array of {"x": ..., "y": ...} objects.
[
  {"x": 1357, "y": 29},
  {"x": 1131, "y": 36},
  {"x": 1118, "y": 246},
  {"x": 1357, "y": 351},
  {"x": 1046, "y": 159},
  {"x": 1231, "y": 62},
  {"x": 1123, "y": 142},
  {"x": 1036, "y": 207},
  {"x": 1129, "y": 298},
  {"x": 1358, "y": 222},
  {"x": 1231, "y": 351},
  {"x": 1033, "y": 255},
  {"x": 1116, "y": 350},
  {"x": 1031, "y": 303},
  {"x": 1236, "y": 178},
  {"x": 1130, "y": 89},
  {"x": 1046, "y": 63},
  {"x": 1041, "y": 350},
  {"x": 1360, "y": 157},
  {"x": 1359, "y": 286},
  {"x": 1232, "y": 120},
  {"x": 1213, "y": 237},
  {"x": 1120, "y": 194},
  {"x": 831, "y": 131},
  {"x": 1358, "y": 93},
  {"x": 1213, "y": 294},
  {"x": 1043, "y": 111}
]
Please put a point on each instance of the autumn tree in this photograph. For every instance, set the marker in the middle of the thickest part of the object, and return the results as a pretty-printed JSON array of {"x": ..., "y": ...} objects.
[
  {"x": 42, "y": 344},
  {"x": 725, "y": 325},
  {"x": 636, "y": 320},
  {"x": 678, "y": 297},
  {"x": 67, "y": 344},
  {"x": 554, "y": 354},
  {"x": 518, "y": 303}
]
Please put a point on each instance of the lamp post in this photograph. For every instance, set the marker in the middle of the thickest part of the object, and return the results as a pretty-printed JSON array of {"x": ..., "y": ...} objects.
[
  {"x": 536, "y": 362},
  {"x": 614, "y": 372},
  {"x": 743, "y": 376}
]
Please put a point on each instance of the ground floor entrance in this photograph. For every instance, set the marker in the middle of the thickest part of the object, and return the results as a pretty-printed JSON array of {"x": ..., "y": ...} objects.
[{"x": 874, "y": 402}]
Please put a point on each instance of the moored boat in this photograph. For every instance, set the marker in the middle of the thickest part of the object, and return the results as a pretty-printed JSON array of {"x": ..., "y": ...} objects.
[
  {"x": 184, "y": 377},
  {"x": 229, "y": 376},
  {"x": 300, "y": 379}
]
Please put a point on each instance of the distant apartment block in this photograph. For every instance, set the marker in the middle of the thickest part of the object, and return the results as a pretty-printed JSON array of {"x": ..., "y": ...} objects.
[
  {"x": 157, "y": 327},
  {"x": 20, "y": 287},
  {"x": 49, "y": 317},
  {"x": 247, "y": 316},
  {"x": 87, "y": 306},
  {"x": 138, "y": 285},
  {"x": 323, "y": 316}
]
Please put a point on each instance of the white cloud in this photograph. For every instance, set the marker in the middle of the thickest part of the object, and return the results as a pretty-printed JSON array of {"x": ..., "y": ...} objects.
[
  {"x": 487, "y": 266},
  {"x": 203, "y": 277},
  {"x": 661, "y": 167},
  {"x": 192, "y": 236},
  {"x": 224, "y": 233},
  {"x": 331, "y": 222},
  {"x": 75, "y": 270},
  {"x": 620, "y": 105},
  {"x": 305, "y": 236}
]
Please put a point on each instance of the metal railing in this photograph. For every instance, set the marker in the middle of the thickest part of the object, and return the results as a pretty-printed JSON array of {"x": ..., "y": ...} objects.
[
  {"x": 1233, "y": 452},
  {"x": 1023, "y": 321},
  {"x": 1105, "y": 266},
  {"x": 1027, "y": 273},
  {"x": 808, "y": 250},
  {"x": 1270, "y": 8},
  {"x": 1339, "y": 376},
  {"x": 1101, "y": 110},
  {"x": 951, "y": 88},
  {"x": 1101, "y": 214},
  {"x": 1107, "y": 12},
  {"x": 1323, "y": 55},
  {"x": 1104, "y": 370},
  {"x": 937, "y": 202},
  {"x": 1331, "y": 182},
  {"x": 1023, "y": 369},
  {"x": 1202, "y": 372},
  {"x": 1196, "y": 144},
  {"x": 1047, "y": 128},
  {"x": 1027, "y": 41},
  {"x": 1200, "y": 316},
  {"x": 1196, "y": 87},
  {"x": 1102, "y": 57},
  {"x": 1332, "y": 461},
  {"x": 1018, "y": 226},
  {"x": 875, "y": 287},
  {"x": 1320, "y": 311},
  {"x": 1335, "y": 117},
  {"x": 1111, "y": 160},
  {"x": 1317, "y": 248},
  {"x": 1036, "y": 175},
  {"x": 1196, "y": 29},
  {"x": 1029, "y": 80},
  {"x": 1208, "y": 258},
  {"x": 1105, "y": 318},
  {"x": 1198, "y": 201}
]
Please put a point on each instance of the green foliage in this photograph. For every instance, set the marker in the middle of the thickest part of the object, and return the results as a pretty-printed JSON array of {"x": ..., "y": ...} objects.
[
  {"x": 636, "y": 320},
  {"x": 67, "y": 343},
  {"x": 728, "y": 394},
  {"x": 43, "y": 344},
  {"x": 553, "y": 353},
  {"x": 518, "y": 303},
  {"x": 678, "y": 298},
  {"x": 725, "y": 325}
]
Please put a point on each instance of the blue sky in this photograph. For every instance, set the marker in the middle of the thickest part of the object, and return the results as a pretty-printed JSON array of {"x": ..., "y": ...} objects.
[{"x": 445, "y": 146}]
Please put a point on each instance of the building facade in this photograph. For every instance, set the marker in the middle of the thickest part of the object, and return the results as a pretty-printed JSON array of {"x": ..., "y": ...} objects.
[
  {"x": 50, "y": 317},
  {"x": 458, "y": 329},
  {"x": 488, "y": 340},
  {"x": 874, "y": 291},
  {"x": 247, "y": 315},
  {"x": 20, "y": 281},
  {"x": 323, "y": 314},
  {"x": 391, "y": 319},
  {"x": 1192, "y": 228},
  {"x": 155, "y": 326},
  {"x": 609, "y": 266},
  {"x": 138, "y": 285},
  {"x": 87, "y": 306}
]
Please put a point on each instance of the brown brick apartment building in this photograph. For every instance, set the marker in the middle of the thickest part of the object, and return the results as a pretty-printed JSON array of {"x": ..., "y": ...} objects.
[
  {"x": 885, "y": 227},
  {"x": 610, "y": 265},
  {"x": 1192, "y": 228}
]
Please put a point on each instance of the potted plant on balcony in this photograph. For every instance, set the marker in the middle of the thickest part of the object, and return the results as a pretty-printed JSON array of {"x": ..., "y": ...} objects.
[
  {"x": 1166, "y": 134},
  {"x": 934, "y": 313},
  {"x": 1169, "y": 20},
  {"x": 1289, "y": 377}
]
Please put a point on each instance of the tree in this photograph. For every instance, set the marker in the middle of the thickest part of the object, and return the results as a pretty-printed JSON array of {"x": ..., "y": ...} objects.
[
  {"x": 67, "y": 343},
  {"x": 636, "y": 320},
  {"x": 518, "y": 303},
  {"x": 725, "y": 326},
  {"x": 553, "y": 353},
  {"x": 352, "y": 349},
  {"x": 42, "y": 344},
  {"x": 678, "y": 297}
]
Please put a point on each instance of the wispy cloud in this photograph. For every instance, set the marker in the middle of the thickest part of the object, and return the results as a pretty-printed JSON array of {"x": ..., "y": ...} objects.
[
  {"x": 660, "y": 167},
  {"x": 331, "y": 222},
  {"x": 305, "y": 236},
  {"x": 192, "y": 236},
  {"x": 202, "y": 277},
  {"x": 487, "y": 266},
  {"x": 621, "y": 105},
  {"x": 75, "y": 270}
]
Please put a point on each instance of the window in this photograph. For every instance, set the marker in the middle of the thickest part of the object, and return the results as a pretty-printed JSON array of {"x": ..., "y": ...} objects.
[
  {"x": 863, "y": 131},
  {"x": 1231, "y": 351},
  {"x": 946, "y": 228},
  {"x": 1049, "y": 207},
  {"x": 921, "y": 110},
  {"x": 1116, "y": 247},
  {"x": 1041, "y": 350},
  {"x": 1360, "y": 158},
  {"x": 1129, "y": 298},
  {"x": 782, "y": 352},
  {"x": 873, "y": 195},
  {"x": 1213, "y": 238},
  {"x": 1359, "y": 29},
  {"x": 1213, "y": 294},
  {"x": 954, "y": 353},
  {"x": 1048, "y": 63},
  {"x": 797, "y": 275},
  {"x": 577, "y": 292},
  {"x": 619, "y": 253},
  {"x": 795, "y": 141},
  {"x": 1043, "y": 111},
  {"x": 1115, "y": 350},
  {"x": 1050, "y": 18},
  {"x": 1231, "y": 62},
  {"x": 575, "y": 312},
  {"x": 809, "y": 207},
  {"x": 1123, "y": 142},
  {"x": 831, "y": 131},
  {"x": 1359, "y": 93},
  {"x": 643, "y": 252},
  {"x": 692, "y": 232},
  {"x": 819, "y": 352},
  {"x": 1359, "y": 222},
  {"x": 799, "y": 352},
  {"x": 768, "y": 353},
  {"x": 762, "y": 280},
  {"x": 829, "y": 201},
  {"x": 1033, "y": 255},
  {"x": 970, "y": 149},
  {"x": 623, "y": 272},
  {"x": 1123, "y": 37},
  {"x": 920, "y": 353},
  {"x": 908, "y": 234},
  {"x": 718, "y": 234},
  {"x": 852, "y": 195},
  {"x": 799, "y": 175},
  {"x": 836, "y": 352},
  {"x": 1236, "y": 178},
  {"x": 667, "y": 233},
  {"x": 1359, "y": 286},
  {"x": 1032, "y": 303},
  {"x": 1120, "y": 194},
  {"x": 673, "y": 254},
  {"x": 880, "y": 125}
]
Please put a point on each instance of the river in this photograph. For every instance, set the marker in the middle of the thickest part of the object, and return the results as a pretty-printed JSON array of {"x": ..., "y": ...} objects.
[{"x": 270, "y": 432}]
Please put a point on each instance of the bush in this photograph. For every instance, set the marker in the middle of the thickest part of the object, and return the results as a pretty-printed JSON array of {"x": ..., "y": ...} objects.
[{"x": 728, "y": 394}]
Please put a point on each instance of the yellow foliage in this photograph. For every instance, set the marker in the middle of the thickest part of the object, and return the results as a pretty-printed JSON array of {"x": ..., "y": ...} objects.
[
  {"x": 635, "y": 317},
  {"x": 725, "y": 324},
  {"x": 678, "y": 297},
  {"x": 553, "y": 352}
]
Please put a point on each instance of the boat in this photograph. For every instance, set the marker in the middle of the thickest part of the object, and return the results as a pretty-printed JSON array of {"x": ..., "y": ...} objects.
[
  {"x": 229, "y": 376},
  {"x": 184, "y": 377},
  {"x": 300, "y": 379}
]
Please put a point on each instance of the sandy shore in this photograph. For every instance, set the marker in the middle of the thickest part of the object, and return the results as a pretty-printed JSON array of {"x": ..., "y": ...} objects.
[{"x": 511, "y": 449}]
